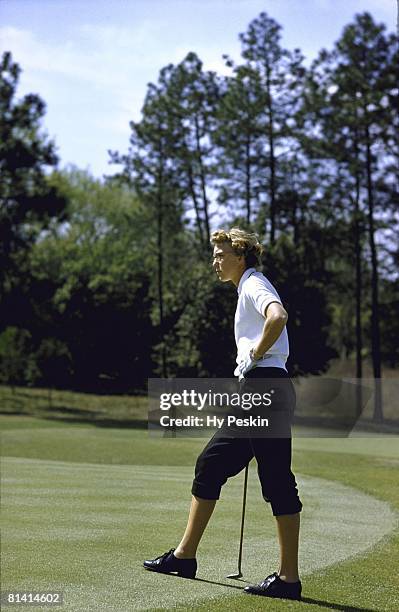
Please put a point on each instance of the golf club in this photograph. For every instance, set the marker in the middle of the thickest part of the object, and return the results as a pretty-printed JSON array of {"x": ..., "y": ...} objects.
[{"x": 244, "y": 500}]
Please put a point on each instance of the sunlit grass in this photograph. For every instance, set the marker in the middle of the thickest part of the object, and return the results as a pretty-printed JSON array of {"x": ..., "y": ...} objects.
[
  {"x": 84, "y": 505},
  {"x": 73, "y": 406}
]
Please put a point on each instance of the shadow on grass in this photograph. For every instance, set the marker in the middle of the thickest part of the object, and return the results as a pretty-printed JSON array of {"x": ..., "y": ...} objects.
[
  {"x": 223, "y": 584},
  {"x": 15, "y": 404},
  {"x": 35, "y": 397},
  {"x": 335, "y": 606},
  {"x": 307, "y": 600},
  {"x": 99, "y": 422},
  {"x": 78, "y": 411},
  {"x": 78, "y": 416},
  {"x": 122, "y": 424}
]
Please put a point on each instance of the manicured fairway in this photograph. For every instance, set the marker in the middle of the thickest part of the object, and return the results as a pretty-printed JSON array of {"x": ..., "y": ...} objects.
[{"x": 83, "y": 506}]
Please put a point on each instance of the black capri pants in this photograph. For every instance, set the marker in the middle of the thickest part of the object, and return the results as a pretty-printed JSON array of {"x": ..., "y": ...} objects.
[{"x": 225, "y": 456}]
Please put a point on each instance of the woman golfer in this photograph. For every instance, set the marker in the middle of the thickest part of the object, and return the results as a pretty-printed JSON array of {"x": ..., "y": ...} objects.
[{"x": 262, "y": 352}]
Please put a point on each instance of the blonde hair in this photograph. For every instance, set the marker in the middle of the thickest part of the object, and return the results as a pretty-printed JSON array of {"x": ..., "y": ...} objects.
[{"x": 242, "y": 242}]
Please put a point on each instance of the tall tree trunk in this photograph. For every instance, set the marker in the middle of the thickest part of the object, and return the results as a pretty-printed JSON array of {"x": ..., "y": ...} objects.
[
  {"x": 203, "y": 184},
  {"x": 294, "y": 222},
  {"x": 272, "y": 160},
  {"x": 160, "y": 271},
  {"x": 358, "y": 296},
  {"x": 358, "y": 291},
  {"x": 375, "y": 328},
  {"x": 295, "y": 203},
  {"x": 248, "y": 178},
  {"x": 196, "y": 204}
]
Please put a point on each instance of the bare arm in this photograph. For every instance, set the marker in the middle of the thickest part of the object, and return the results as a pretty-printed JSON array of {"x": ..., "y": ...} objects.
[{"x": 276, "y": 319}]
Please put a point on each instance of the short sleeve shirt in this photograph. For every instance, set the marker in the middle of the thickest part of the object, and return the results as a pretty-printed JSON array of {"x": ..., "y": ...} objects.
[{"x": 255, "y": 293}]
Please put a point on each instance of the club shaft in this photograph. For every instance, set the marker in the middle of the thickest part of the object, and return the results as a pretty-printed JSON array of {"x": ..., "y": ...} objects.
[{"x": 244, "y": 501}]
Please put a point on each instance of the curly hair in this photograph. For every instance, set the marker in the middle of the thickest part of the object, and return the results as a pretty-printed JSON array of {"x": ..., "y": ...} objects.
[{"x": 242, "y": 243}]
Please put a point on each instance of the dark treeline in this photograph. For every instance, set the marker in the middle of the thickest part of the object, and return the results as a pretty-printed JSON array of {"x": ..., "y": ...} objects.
[{"x": 105, "y": 283}]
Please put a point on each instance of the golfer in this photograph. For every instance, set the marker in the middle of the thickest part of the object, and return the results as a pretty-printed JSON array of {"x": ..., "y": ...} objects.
[{"x": 262, "y": 352}]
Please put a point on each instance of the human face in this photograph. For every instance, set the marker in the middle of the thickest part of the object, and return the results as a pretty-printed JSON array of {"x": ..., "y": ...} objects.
[{"x": 227, "y": 265}]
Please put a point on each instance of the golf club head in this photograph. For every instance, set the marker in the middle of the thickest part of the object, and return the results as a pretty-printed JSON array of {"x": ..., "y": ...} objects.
[{"x": 237, "y": 575}]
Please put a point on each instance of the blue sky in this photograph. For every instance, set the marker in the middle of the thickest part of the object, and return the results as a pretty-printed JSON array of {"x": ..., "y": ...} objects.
[{"x": 91, "y": 60}]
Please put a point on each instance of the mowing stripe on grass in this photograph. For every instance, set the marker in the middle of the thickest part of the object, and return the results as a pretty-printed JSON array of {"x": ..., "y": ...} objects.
[{"x": 85, "y": 529}]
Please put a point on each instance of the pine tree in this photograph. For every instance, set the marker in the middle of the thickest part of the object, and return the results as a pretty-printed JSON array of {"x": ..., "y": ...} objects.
[
  {"x": 191, "y": 96},
  {"x": 239, "y": 141},
  {"x": 26, "y": 200},
  {"x": 349, "y": 93},
  {"x": 280, "y": 78}
]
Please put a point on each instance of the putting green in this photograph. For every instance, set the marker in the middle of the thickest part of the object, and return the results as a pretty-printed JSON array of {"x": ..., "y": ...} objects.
[{"x": 85, "y": 529}]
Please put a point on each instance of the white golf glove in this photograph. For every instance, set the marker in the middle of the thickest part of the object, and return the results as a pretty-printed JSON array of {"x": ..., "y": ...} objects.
[{"x": 247, "y": 364}]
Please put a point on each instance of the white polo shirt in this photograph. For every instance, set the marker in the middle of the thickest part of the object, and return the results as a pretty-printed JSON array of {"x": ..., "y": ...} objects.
[{"x": 255, "y": 292}]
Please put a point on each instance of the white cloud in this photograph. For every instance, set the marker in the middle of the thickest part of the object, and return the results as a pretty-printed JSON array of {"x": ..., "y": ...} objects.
[
  {"x": 101, "y": 55},
  {"x": 98, "y": 76},
  {"x": 104, "y": 66}
]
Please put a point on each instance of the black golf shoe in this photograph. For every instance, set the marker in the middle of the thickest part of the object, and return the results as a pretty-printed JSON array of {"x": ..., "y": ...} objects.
[
  {"x": 272, "y": 586},
  {"x": 169, "y": 564}
]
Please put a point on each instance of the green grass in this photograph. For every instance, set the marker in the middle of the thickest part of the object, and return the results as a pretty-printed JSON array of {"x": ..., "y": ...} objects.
[
  {"x": 83, "y": 505},
  {"x": 74, "y": 407}
]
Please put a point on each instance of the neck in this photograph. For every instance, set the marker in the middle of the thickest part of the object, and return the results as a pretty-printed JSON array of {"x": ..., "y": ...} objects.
[{"x": 237, "y": 278}]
